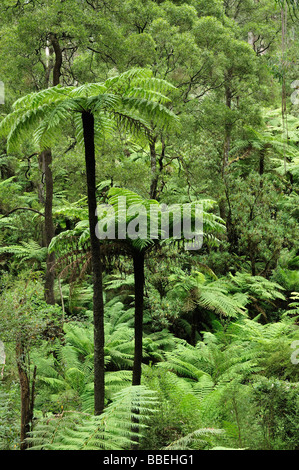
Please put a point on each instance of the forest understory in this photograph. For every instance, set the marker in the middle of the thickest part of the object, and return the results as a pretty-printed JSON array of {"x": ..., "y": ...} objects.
[{"x": 149, "y": 225}]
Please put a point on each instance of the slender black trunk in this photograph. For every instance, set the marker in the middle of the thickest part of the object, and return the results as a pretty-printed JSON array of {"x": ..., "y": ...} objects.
[
  {"x": 49, "y": 228},
  {"x": 194, "y": 326},
  {"x": 27, "y": 394},
  {"x": 227, "y": 134},
  {"x": 98, "y": 305},
  {"x": 262, "y": 164},
  {"x": 138, "y": 260},
  {"x": 154, "y": 174}
]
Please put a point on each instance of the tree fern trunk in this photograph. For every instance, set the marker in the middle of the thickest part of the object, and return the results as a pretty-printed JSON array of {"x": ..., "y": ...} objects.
[
  {"x": 138, "y": 260},
  {"x": 98, "y": 305},
  {"x": 194, "y": 326},
  {"x": 27, "y": 393},
  {"x": 49, "y": 228},
  {"x": 154, "y": 174}
]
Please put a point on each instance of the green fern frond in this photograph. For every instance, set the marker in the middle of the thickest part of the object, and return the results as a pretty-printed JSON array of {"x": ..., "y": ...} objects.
[
  {"x": 123, "y": 81},
  {"x": 204, "y": 386},
  {"x": 115, "y": 282},
  {"x": 255, "y": 286},
  {"x": 147, "y": 94},
  {"x": 7, "y": 223},
  {"x": 216, "y": 300},
  {"x": 25, "y": 122},
  {"x": 112, "y": 430},
  {"x": 151, "y": 111},
  {"x": 87, "y": 89},
  {"x": 35, "y": 100},
  {"x": 181, "y": 367},
  {"x": 193, "y": 440},
  {"x": 25, "y": 251}
]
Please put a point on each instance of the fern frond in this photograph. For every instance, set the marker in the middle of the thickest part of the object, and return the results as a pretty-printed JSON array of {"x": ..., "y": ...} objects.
[
  {"x": 193, "y": 440},
  {"x": 151, "y": 111},
  {"x": 24, "y": 124},
  {"x": 30, "y": 250},
  {"x": 122, "y": 82},
  {"x": 112, "y": 430},
  {"x": 86, "y": 90},
  {"x": 47, "y": 96},
  {"x": 216, "y": 300}
]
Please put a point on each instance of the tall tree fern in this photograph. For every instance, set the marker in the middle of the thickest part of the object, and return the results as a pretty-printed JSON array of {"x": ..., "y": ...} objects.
[
  {"x": 139, "y": 246},
  {"x": 132, "y": 100},
  {"x": 142, "y": 242},
  {"x": 198, "y": 294}
]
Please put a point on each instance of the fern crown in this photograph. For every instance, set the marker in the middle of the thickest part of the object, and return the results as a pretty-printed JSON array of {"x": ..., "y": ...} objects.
[{"x": 135, "y": 100}]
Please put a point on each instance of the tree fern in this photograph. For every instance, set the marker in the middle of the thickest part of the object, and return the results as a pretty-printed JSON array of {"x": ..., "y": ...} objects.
[
  {"x": 196, "y": 290},
  {"x": 212, "y": 224},
  {"x": 194, "y": 364},
  {"x": 256, "y": 287},
  {"x": 131, "y": 102},
  {"x": 294, "y": 304},
  {"x": 7, "y": 223},
  {"x": 197, "y": 439},
  {"x": 138, "y": 246},
  {"x": 110, "y": 431},
  {"x": 26, "y": 251}
]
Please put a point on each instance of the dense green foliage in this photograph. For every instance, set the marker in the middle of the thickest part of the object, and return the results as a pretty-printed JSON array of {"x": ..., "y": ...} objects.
[{"x": 190, "y": 102}]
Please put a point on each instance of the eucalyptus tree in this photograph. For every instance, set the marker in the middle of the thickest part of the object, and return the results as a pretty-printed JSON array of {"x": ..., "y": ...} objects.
[
  {"x": 38, "y": 43},
  {"x": 129, "y": 100}
]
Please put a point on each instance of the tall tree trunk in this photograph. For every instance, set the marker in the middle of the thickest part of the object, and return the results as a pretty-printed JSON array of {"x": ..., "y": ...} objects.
[
  {"x": 27, "y": 393},
  {"x": 154, "y": 174},
  {"x": 228, "y": 131},
  {"x": 226, "y": 149},
  {"x": 45, "y": 163},
  {"x": 262, "y": 162},
  {"x": 98, "y": 304},
  {"x": 58, "y": 59},
  {"x": 49, "y": 227},
  {"x": 194, "y": 325},
  {"x": 138, "y": 260}
]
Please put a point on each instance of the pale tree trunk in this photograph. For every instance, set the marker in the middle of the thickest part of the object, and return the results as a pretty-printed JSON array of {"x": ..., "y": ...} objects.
[
  {"x": 157, "y": 166},
  {"x": 45, "y": 162}
]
